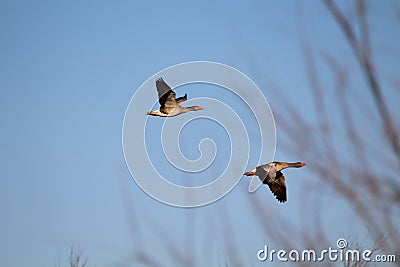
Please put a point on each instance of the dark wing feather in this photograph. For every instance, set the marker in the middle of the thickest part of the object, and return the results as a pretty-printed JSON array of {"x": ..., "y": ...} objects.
[
  {"x": 181, "y": 99},
  {"x": 278, "y": 187}
]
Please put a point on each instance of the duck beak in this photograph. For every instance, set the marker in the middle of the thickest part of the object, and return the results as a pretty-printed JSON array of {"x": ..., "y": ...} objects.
[
  {"x": 250, "y": 173},
  {"x": 302, "y": 164}
]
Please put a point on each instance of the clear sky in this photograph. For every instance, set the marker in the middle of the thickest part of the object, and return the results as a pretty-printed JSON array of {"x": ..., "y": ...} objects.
[{"x": 68, "y": 70}]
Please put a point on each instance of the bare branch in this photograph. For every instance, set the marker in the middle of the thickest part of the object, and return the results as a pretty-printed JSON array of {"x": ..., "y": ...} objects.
[{"x": 364, "y": 56}]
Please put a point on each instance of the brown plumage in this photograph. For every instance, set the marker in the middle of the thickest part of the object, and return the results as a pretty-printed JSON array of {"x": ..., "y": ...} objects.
[
  {"x": 170, "y": 105},
  {"x": 271, "y": 175}
]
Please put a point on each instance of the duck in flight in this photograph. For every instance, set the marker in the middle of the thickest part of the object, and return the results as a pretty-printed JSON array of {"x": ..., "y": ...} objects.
[
  {"x": 170, "y": 105},
  {"x": 271, "y": 175}
]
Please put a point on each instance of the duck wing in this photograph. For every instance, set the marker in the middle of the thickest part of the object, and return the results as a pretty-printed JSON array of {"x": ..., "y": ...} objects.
[
  {"x": 266, "y": 172},
  {"x": 166, "y": 96},
  {"x": 278, "y": 187}
]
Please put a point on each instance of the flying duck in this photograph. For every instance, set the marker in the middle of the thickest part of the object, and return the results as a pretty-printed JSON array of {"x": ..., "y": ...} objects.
[
  {"x": 170, "y": 105},
  {"x": 271, "y": 175}
]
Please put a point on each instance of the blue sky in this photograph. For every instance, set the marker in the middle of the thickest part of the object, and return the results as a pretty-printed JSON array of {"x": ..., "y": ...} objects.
[{"x": 68, "y": 70}]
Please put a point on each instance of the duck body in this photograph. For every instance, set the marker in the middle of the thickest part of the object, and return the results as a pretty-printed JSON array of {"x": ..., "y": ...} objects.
[
  {"x": 172, "y": 112},
  {"x": 271, "y": 175}
]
